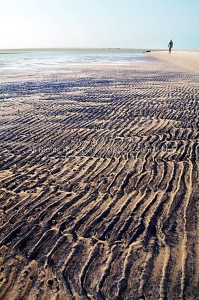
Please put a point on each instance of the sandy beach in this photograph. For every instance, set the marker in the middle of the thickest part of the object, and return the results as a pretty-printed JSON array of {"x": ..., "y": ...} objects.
[
  {"x": 186, "y": 60},
  {"x": 98, "y": 182}
]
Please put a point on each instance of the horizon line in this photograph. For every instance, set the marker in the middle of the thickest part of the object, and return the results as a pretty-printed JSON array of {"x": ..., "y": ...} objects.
[
  {"x": 93, "y": 48},
  {"x": 74, "y": 48},
  {"x": 81, "y": 48}
]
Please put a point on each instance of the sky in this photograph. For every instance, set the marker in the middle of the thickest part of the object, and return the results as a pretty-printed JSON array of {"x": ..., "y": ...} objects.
[{"x": 99, "y": 23}]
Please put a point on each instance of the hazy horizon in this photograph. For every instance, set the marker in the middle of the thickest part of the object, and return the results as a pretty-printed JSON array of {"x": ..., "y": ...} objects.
[
  {"x": 92, "y": 48},
  {"x": 131, "y": 24}
]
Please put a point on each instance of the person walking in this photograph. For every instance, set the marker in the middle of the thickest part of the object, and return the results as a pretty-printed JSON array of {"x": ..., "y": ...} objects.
[{"x": 170, "y": 45}]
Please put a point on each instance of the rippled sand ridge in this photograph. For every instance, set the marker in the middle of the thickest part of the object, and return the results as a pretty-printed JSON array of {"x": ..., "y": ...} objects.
[{"x": 99, "y": 184}]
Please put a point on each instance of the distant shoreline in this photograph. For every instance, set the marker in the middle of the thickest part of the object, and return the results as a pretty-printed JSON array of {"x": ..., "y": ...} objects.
[
  {"x": 75, "y": 48},
  {"x": 185, "y": 59},
  {"x": 90, "y": 48}
]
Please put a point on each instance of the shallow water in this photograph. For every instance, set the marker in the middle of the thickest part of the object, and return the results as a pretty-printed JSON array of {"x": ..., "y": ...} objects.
[{"x": 36, "y": 59}]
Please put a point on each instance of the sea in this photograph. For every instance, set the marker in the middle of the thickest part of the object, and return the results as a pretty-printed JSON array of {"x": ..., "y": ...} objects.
[{"x": 18, "y": 60}]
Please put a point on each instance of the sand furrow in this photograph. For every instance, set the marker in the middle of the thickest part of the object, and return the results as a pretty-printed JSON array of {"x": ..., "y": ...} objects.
[
  {"x": 187, "y": 197},
  {"x": 98, "y": 184}
]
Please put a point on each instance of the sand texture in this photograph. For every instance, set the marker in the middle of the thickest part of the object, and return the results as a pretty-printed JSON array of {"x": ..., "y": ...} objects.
[
  {"x": 187, "y": 60},
  {"x": 98, "y": 184}
]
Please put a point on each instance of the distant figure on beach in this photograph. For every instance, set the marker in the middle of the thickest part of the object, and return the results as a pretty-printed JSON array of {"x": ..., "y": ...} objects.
[{"x": 170, "y": 45}]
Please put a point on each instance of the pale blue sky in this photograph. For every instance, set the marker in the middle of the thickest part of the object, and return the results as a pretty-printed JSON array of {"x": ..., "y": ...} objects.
[{"x": 99, "y": 23}]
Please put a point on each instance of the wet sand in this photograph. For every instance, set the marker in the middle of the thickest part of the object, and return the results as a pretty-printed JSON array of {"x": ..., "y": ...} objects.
[{"x": 98, "y": 183}]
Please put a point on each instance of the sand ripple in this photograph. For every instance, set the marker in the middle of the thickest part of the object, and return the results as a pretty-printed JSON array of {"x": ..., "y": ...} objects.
[{"x": 99, "y": 172}]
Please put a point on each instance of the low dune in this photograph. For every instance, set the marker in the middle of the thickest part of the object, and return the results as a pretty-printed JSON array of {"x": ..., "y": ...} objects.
[
  {"x": 187, "y": 60},
  {"x": 98, "y": 183}
]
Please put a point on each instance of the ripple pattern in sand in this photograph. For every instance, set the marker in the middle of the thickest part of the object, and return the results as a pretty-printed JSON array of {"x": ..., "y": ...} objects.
[{"x": 98, "y": 185}]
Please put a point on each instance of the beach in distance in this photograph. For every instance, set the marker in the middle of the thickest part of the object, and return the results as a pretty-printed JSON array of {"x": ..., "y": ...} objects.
[
  {"x": 17, "y": 59},
  {"x": 99, "y": 169},
  {"x": 188, "y": 60}
]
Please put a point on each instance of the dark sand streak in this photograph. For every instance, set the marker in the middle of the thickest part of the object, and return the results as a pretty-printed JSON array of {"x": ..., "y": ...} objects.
[{"x": 98, "y": 184}]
